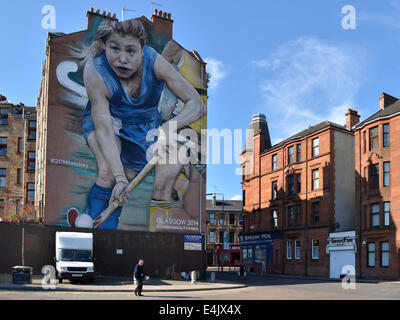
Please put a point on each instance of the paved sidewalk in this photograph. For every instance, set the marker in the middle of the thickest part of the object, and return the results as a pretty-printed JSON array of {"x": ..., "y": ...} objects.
[
  {"x": 270, "y": 275},
  {"x": 124, "y": 285}
]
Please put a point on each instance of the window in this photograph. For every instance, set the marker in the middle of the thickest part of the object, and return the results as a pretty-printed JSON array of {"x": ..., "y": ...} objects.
[
  {"x": 221, "y": 237},
  {"x": 211, "y": 237},
  {"x": 221, "y": 219},
  {"x": 3, "y": 116},
  {"x": 298, "y": 152},
  {"x": 291, "y": 184},
  {"x": 241, "y": 219},
  {"x": 290, "y": 154},
  {"x": 297, "y": 249},
  {"x": 32, "y": 130},
  {"x": 315, "y": 147},
  {"x": 315, "y": 179},
  {"x": 19, "y": 145},
  {"x": 375, "y": 215},
  {"x": 244, "y": 197},
  {"x": 3, "y": 178},
  {"x": 31, "y": 192},
  {"x": 31, "y": 160},
  {"x": 364, "y": 141},
  {"x": 374, "y": 176},
  {"x": 371, "y": 254},
  {"x": 289, "y": 249},
  {"x": 212, "y": 218},
  {"x": 18, "y": 202},
  {"x": 386, "y": 135},
  {"x": 275, "y": 218},
  {"x": 291, "y": 216},
  {"x": 274, "y": 162},
  {"x": 386, "y": 174},
  {"x": 231, "y": 218},
  {"x": 386, "y": 218},
  {"x": 315, "y": 249},
  {"x": 384, "y": 254},
  {"x": 315, "y": 212},
  {"x": 298, "y": 214},
  {"x": 19, "y": 176},
  {"x": 373, "y": 138},
  {"x": 298, "y": 182},
  {"x": 3, "y": 146},
  {"x": 231, "y": 237},
  {"x": 274, "y": 190}
]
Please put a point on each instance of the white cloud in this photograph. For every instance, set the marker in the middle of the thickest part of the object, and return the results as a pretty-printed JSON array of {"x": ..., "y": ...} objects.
[
  {"x": 307, "y": 81},
  {"x": 217, "y": 70},
  {"x": 237, "y": 197}
]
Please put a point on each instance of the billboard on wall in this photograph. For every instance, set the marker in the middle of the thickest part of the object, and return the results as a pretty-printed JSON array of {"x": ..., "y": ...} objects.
[{"x": 126, "y": 105}]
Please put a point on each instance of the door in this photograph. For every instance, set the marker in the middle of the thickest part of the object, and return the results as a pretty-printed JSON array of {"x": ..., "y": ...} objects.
[{"x": 339, "y": 259}]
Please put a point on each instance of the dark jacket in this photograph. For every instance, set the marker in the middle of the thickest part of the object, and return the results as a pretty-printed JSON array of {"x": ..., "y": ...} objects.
[{"x": 139, "y": 273}]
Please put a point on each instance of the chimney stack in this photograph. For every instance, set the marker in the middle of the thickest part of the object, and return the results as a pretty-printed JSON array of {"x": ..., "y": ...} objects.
[
  {"x": 385, "y": 100},
  {"x": 259, "y": 124},
  {"x": 352, "y": 118},
  {"x": 162, "y": 22},
  {"x": 214, "y": 200},
  {"x": 2, "y": 98},
  {"x": 91, "y": 15}
]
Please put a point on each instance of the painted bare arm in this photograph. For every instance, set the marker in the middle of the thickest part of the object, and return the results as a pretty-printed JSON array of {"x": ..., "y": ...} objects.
[
  {"x": 183, "y": 90},
  {"x": 105, "y": 136}
]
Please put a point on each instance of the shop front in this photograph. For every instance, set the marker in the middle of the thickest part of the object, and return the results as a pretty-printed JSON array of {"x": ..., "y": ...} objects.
[
  {"x": 261, "y": 252},
  {"x": 228, "y": 257}
]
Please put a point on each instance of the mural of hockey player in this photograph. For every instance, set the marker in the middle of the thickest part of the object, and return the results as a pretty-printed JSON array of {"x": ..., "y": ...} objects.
[{"x": 124, "y": 80}]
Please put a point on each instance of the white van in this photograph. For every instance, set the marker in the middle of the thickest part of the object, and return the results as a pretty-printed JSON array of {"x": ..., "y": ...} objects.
[{"x": 74, "y": 256}]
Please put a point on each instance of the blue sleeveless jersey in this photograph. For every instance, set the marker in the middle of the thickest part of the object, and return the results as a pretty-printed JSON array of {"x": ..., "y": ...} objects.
[{"x": 137, "y": 115}]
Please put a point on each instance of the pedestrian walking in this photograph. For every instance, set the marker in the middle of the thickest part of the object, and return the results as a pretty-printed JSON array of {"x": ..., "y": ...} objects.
[
  {"x": 241, "y": 270},
  {"x": 139, "y": 276}
]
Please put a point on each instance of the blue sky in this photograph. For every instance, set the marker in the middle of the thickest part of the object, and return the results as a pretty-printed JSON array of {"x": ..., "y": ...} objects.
[{"x": 290, "y": 60}]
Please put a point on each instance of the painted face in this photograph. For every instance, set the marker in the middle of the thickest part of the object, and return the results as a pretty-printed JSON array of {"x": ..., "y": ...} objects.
[{"x": 124, "y": 54}]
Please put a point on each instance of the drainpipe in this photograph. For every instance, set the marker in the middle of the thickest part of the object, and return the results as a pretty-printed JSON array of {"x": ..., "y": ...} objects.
[
  {"x": 306, "y": 215},
  {"x": 359, "y": 205}
]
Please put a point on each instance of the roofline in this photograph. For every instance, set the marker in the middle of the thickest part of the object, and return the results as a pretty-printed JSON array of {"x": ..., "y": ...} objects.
[
  {"x": 358, "y": 126},
  {"x": 297, "y": 138}
]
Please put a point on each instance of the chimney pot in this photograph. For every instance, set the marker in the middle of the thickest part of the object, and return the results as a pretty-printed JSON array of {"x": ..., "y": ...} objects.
[
  {"x": 214, "y": 200},
  {"x": 91, "y": 9},
  {"x": 97, "y": 11},
  {"x": 164, "y": 15},
  {"x": 104, "y": 13},
  {"x": 155, "y": 12},
  {"x": 114, "y": 16},
  {"x": 108, "y": 14},
  {"x": 169, "y": 16},
  {"x": 160, "y": 13}
]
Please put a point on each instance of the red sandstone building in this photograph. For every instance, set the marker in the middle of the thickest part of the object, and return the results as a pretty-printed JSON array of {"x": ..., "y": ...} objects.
[
  {"x": 377, "y": 156},
  {"x": 299, "y": 192}
]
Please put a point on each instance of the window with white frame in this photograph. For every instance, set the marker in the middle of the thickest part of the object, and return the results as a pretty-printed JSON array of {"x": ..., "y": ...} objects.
[
  {"x": 371, "y": 254},
  {"x": 386, "y": 217},
  {"x": 297, "y": 249},
  {"x": 289, "y": 245},
  {"x": 384, "y": 254},
  {"x": 315, "y": 249},
  {"x": 375, "y": 215}
]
